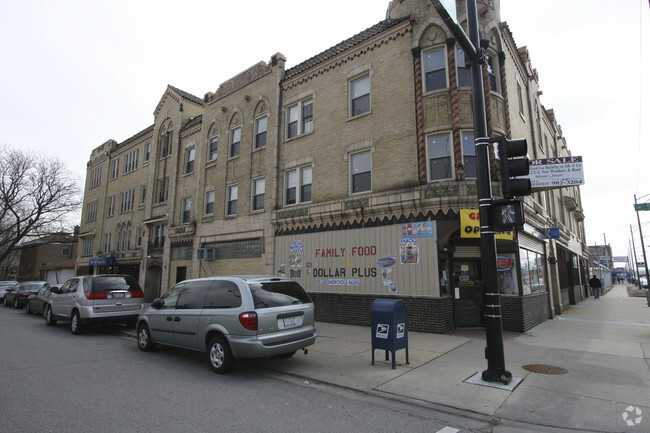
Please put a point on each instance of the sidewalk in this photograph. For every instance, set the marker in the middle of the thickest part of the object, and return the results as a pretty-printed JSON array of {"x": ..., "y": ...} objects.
[{"x": 603, "y": 344}]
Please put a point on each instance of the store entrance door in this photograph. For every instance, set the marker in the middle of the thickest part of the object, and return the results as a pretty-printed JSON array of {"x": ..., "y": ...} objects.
[{"x": 467, "y": 293}]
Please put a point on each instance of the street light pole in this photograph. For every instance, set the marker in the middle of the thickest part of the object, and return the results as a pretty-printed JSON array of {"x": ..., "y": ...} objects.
[
  {"x": 638, "y": 220},
  {"x": 636, "y": 262}
]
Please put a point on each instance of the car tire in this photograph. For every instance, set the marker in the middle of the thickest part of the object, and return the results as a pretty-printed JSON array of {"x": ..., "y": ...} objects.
[
  {"x": 6, "y": 302},
  {"x": 220, "y": 356},
  {"x": 145, "y": 342},
  {"x": 49, "y": 317},
  {"x": 75, "y": 323},
  {"x": 28, "y": 308},
  {"x": 16, "y": 306}
]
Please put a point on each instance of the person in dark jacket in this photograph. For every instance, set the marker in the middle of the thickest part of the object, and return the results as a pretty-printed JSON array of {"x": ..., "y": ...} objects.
[{"x": 595, "y": 284}]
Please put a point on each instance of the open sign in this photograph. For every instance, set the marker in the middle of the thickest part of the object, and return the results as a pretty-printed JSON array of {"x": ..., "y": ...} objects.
[{"x": 504, "y": 263}]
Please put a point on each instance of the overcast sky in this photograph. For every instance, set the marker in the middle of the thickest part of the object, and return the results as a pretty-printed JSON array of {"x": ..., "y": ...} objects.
[{"x": 75, "y": 73}]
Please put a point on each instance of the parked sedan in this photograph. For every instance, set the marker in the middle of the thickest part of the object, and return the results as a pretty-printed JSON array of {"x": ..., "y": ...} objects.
[
  {"x": 4, "y": 285},
  {"x": 37, "y": 303},
  {"x": 18, "y": 295}
]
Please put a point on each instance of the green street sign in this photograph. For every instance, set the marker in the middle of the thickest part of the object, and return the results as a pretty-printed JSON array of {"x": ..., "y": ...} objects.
[{"x": 642, "y": 206}]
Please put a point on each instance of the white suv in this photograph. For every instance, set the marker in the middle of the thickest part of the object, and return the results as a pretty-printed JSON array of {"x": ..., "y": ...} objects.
[
  {"x": 231, "y": 318},
  {"x": 96, "y": 298}
]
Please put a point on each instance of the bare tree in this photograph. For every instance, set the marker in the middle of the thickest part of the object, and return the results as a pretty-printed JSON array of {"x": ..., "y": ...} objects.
[{"x": 37, "y": 197}]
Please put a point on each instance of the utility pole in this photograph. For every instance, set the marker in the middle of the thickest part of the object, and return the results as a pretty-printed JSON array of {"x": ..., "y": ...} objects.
[{"x": 638, "y": 220}]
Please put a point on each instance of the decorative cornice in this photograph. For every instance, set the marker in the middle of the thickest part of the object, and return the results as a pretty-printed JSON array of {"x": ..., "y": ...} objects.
[{"x": 251, "y": 74}]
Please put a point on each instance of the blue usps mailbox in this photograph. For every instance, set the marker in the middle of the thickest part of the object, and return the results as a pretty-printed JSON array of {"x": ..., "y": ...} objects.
[{"x": 389, "y": 327}]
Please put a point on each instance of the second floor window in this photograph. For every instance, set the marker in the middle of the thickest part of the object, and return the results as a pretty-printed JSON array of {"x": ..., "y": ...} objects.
[
  {"x": 298, "y": 186},
  {"x": 126, "y": 200},
  {"x": 186, "y": 205},
  {"x": 439, "y": 150},
  {"x": 231, "y": 206},
  {"x": 91, "y": 211},
  {"x": 87, "y": 246},
  {"x": 110, "y": 206},
  {"x": 158, "y": 236},
  {"x": 463, "y": 71},
  {"x": 300, "y": 118},
  {"x": 209, "y": 202},
  {"x": 435, "y": 70},
  {"x": 469, "y": 154},
  {"x": 259, "y": 185},
  {"x": 189, "y": 161},
  {"x": 107, "y": 242},
  {"x": 360, "y": 96},
  {"x": 361, "y": 171}
]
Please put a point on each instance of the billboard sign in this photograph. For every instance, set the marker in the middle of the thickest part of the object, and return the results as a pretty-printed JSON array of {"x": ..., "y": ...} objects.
[{"x": 549, "y": 173}]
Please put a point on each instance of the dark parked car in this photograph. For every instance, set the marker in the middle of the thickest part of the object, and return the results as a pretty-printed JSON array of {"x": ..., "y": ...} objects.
[
  {"x": 18, "y": 295},
  {"x": 4, "y": 285},
  {"x": 230, "y": 318},
  {"x": 37, "y": 303}
]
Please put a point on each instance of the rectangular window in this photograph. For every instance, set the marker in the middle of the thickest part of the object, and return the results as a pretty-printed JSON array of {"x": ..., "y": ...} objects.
[
  {"x": 298, "y": 186},
  {"x": 469, "y": 154},
  {"x": 492, "y": 67},
  {"x": 435, "y": 70},
  {"x": 126, "y": 200},
  {"x": 147, "y": 151},
  {"x": 131, "y": 161},
  {"x": 439, "y": 157},
  {"x": 166, "y": 144},
  {"x": 260, "y": 132},
  {"x": 143, "y": 193},
  {"x": 361, "y": 172},
  {"x": 163, "y": 189},
  {"x": 235, "y": 141},
  {"x": 138, "y": 237},
  {"x": 107, "y": 242},
  {"x": 300, "y": 118},
  {"x": 209, "y": 202},
  {"x": 95, "y": 177},
  {"x": 91, "y": 211},
  {"x": 158, "y": 236},
  {"x": 212, "y": 149},
  {"x": 360, "y": 96},
  {"x": 231, "y": 208},
  {"x": 110, "y": 206},
  {"x": 520, "y": 98},
  {"x": 259, "y": 186},
  {"x": 186, "y": 205},
  {"x": 87, "y": 249},
  {"x": 115, "y": 168},
  {"x": 463, "y": 70},
  {"x": 189, "y": 161}
]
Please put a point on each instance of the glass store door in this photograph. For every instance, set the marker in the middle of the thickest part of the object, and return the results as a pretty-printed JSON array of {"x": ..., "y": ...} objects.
[{"x": 466, "y": 273}]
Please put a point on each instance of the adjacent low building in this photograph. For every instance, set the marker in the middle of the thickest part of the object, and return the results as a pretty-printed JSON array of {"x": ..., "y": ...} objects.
[{"x": 353, "y": 172}]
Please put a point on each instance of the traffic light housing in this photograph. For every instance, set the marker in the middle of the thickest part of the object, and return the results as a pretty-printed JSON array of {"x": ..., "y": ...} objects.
[{"x": 512, "y": 154}]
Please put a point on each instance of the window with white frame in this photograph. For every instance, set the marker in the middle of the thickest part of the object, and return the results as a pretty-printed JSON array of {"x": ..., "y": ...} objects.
[
  {"x": 493, "y": 72},
  {"x": 162, "y": 190},
  {"x": 439, "y": 153},
  {"x": 110, "y": 206},
  {"x": 298, "y": 184},
  {"x": 212, "y": 148},
  {"x": 131, "y": 161},
  {"x": 138, "y": 237},
  {"x": 95, "y": 177},
  {"x": 463, "y": 70},
  {"x": 147, "y": 151},
  {"x": 126, "y": 200},
  {"x": 300, "y": 118},
  {"x": 259, "y": 187},
  {"x": 361, "y": 172},
  {"x": 91, "y": 211},
  {"x": 87, "y": 245},
  {"x": 235, "y": 142},
  {"x": 469, "y": 154},
  {"x": 143, "y": 193},
  {"x": 231, "y": 205},
  {"x": 107, "y": 242},
  {"x": 186, "y": 206},
  {"x": 261, "y": 125},
  {"x": 115, "y": 168},
  {"x": 189, "y": 160},
  {"x": 435, "y": 69},
  {"x": 209, "y": 202},
  {"x": 158, "y": 236},
  {"x": 359, "y": 95}
]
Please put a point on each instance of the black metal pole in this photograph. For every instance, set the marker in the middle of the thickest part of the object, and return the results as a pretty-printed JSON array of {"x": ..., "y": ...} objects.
[
  {"x": 496, "y": 371},
  {"x": 645, "y": 260},
  {"x": 636, "y": 262}
]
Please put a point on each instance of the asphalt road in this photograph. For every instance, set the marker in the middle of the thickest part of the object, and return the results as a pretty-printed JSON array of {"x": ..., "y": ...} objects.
[{"x": 53, "y": 381}]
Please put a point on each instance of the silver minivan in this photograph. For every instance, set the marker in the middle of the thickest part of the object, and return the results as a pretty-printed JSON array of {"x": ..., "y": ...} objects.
[
  {"x": 231, "y": 318},
  {"x": 96, "y": 298}
]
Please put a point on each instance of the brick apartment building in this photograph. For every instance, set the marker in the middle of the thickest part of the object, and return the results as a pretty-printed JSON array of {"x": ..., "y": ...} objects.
[{"x": 352, "y": 172}]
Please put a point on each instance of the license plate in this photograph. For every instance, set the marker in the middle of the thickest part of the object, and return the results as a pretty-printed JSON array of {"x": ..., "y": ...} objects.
[
  {"x": 118, "y": 296},
  {"x": 290, "y": 321}
]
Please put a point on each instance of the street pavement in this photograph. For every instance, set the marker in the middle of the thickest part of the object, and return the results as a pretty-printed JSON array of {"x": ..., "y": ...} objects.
[{"x": 603, "y": 345}]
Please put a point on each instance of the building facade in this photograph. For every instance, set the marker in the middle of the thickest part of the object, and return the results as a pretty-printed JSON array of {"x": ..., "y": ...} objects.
[{"x": 353, "y": 172}]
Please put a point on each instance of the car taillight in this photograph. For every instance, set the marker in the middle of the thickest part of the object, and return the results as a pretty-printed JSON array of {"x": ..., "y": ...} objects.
[
  {"x": 137, "y": 294},
  {"x": 96, "y": 295},
  {"x": 249, "y": 320}
]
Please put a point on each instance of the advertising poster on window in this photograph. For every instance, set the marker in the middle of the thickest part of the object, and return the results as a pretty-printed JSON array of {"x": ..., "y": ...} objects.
[
  {"x": 409, "y": 251},
  {"x": 507, "y": 276},
  {"x": 470, "y": 226}
]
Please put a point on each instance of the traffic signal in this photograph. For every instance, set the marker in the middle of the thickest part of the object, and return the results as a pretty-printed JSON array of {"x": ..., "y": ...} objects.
[{"x": 512, "y": 154}]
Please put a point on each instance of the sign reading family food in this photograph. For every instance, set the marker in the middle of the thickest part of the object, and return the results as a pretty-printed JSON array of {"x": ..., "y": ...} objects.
[{"x": 549, "y": 173}]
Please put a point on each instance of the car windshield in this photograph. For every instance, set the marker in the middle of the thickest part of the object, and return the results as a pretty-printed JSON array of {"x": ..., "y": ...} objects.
[
  {"x": 32, "y": 287},
  {"x": 278, "y": 294},
  {"x": 114, "y": 282}
]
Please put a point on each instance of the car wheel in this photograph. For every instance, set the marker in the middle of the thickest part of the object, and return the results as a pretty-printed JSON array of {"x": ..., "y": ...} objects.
[
  {"x": 145, "y": 342},
  {"x": 75, "y": 323},
  {"x": 49, "y": 317},
  {"x": 220, "y": 355},
  {"x": 6, "y": 302},
  {"x": 28, "y": 308},
  {"x": 16, "y": 306}
]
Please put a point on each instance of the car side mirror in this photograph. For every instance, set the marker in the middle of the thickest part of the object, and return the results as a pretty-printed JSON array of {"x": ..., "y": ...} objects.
[
  {"x": 54, "y": 290},
  {"x": 157, "y": 303}
]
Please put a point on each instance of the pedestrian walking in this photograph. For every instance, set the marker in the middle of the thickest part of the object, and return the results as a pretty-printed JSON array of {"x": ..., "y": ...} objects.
[{"x": 595, "y": 284}]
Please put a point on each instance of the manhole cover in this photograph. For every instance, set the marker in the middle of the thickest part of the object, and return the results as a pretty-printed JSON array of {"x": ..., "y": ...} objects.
[{"x": 544, "y": 369}]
